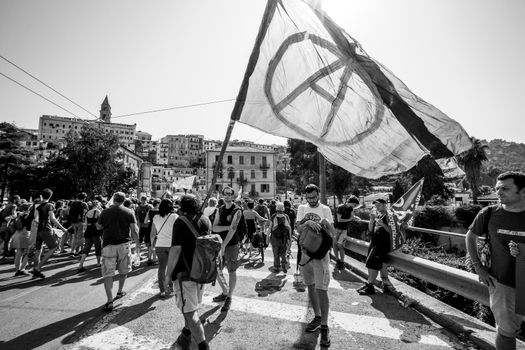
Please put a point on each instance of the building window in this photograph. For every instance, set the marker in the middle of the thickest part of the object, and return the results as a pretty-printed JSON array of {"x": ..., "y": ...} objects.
[
  {"x": 230, "y": 160},
  {"x": 241, "y": 174},
  {"x": 264, "y": 174},
  {"x": 264, "y": 160},
  {"x": 252, "y": 160},
  {"x": 252, "y": 188},
  {"x": 252, "y": 174},
  {"x": 265, "y": 188},
  {"x": 241, "y": 159},
  {"x": 216, "y": 158}
]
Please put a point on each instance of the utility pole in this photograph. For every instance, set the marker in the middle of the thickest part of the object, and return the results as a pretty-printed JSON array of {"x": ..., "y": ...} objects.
[{"x": 322, "y": 177}]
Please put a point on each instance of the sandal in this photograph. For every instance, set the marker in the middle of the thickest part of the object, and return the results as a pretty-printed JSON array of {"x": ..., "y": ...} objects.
[
  {"x": 108, "y": 306},
  {"x": 120, "y": 295}
]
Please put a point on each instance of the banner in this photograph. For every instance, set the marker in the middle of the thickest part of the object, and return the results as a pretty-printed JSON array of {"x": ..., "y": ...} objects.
[
  {"x": 402, "y": 213},
  {"x": 308, "y": 79}
]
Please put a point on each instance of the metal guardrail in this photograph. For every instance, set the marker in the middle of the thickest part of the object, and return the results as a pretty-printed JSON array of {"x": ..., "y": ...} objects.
[{"x": 458, "y": 281}]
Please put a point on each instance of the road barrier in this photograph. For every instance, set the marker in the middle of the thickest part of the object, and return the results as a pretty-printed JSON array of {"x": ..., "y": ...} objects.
[{"x": 455, "y": 280}]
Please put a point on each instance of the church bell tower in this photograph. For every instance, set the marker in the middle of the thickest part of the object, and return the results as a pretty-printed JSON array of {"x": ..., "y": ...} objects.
[{"x": 105, "y": 111}]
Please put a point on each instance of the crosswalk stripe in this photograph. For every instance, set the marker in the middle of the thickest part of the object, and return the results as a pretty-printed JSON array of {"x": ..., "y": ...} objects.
[
  {"x": 351, "y": 323},
  {"x": 120, "y": 337}
]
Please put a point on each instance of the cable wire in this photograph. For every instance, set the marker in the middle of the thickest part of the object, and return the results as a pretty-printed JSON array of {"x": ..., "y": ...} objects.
[
  {"x": 41, "y": 82},
  {"x": 36, "y": 93},
  {"x": 172, "y": 108}
]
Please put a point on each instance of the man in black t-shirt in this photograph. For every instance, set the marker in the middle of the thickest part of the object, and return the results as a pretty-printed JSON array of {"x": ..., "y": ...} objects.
[
  {"x": 343, "y": 215},
  {"x": 504, "y": 224},
  {"x": 45, "y": 212},
  {"x": 188, "y": 294}
]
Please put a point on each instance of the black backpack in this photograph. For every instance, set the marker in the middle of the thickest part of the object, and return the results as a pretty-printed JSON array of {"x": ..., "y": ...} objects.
[
  {"x": 280, "y": 232},
  {"x": 76, "y": 212},
  {"x": 242, "y": 228},
  {"x": 324, "y": 247}
]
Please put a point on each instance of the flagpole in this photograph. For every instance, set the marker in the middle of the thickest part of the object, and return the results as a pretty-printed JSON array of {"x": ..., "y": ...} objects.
[{"x": 218, "y": 163}]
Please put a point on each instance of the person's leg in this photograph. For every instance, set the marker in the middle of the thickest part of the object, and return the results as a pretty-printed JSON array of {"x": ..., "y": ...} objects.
[
  {"x": 98, "y": 248},
  {"x": 372, "y": 276},
  {"x": 121, "y": 281},
  {"x": 18, "y": 258},
  {"x": 162, "y": 255},
  {"x": 85, "y": 251},
  {"x": 324, "y": 305},
  {"x": 232, "y": 281},
  {"x": 505, "y": 343},
  {"x": 195, "y": 326},
  {"x": 23, "y": 262},
  {"x": 222, "y": 282},
  {"x": 108, "y": 287},
  {"x": 275, "y": 251},
  {"x": 335, "y": 245},
  {"x": 44, "y": 259},
  {"x": 314, "y": 300}
]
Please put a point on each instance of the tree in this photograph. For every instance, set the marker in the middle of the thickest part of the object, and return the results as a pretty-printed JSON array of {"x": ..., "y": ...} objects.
[
  {"x": 123, "y": 180},
  {"x": 339, "y": 181},
  {"x": 434, "y": 183},
  {"x": 472, "y": 162},
  {"x": 397, "y": 191},
  {"x": 13, "y": 157},
  {"x": 304, "y": 166}
]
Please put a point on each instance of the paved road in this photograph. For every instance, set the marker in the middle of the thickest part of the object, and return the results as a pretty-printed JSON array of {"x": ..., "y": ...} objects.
[{"x": 63, "y": 311}]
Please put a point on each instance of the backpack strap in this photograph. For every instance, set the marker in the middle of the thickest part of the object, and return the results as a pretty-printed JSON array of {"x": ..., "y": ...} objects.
[
  {"x": 193, "y": 230},
  {"x": 486, "y": 226},
  {"x": 163, "y": 224}
]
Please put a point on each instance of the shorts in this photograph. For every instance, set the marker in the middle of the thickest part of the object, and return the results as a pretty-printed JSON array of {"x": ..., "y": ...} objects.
[
  {"x": 376, "y": 257},
  {"x": 340, "y": 236},
  {"x": 20, "y": 240},
  {"x": 191, "y": 296},
  {"x": 47, "y": 237},
  {"x": 116, "y": 257},
  {"x": 502, "y": 302},
  {"x": 316, "y": 271},
  {"x": 231, "y": 257},
  {"x": 89, "y": 242},
  {"x": 78, "y": 230},
  {"x": 145, "y": 236}
]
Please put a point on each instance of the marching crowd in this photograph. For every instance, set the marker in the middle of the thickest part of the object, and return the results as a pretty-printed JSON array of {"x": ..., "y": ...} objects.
[{"x": 172, "y": 232}]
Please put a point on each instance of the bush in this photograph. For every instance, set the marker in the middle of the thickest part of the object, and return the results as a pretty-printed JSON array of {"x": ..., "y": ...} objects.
[
  {"x": 431, "y": 217},
  {"x": 465, "y": 214},
  {"x": 436, "y": 199}
]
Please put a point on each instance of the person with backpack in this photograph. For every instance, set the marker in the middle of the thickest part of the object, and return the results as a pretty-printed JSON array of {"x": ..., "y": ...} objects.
[
  {"x": 226, "y": 220},
  {"x": 280, "y": 238},
  {"x": 92, "y": 235},
  {"x": 77, "y": 215},
  {"x": 343, "y": 216},
  {"x": 316, "y": 272},
  {"x": 161, "y": 237},
  {"x": 252, "y": 218},
  {"x": 188, "y": 293}
]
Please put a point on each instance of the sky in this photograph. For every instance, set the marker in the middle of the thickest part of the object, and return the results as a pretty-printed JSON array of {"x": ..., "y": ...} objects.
[{"x": 466, "y": 57}]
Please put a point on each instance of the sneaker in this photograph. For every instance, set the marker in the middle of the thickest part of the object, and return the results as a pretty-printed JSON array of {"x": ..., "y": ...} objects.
[
  {"x": 17, "y": 273},
  {"x": 325, "y": 337},
  {"x": 227, "y": 304},
  {"x": 369, "y": 289},
  {"x": 314, "y": 325},
  {"x": 150, "y": 262},
  {"x": 81, "y": 269},
  {"x": 341, "y": 265},
  {"x": 362, "y": 287},
  {"x": 220, "y": 298},
  {"x": 23, "y": 273},
  {"x": 38, "y": 273},
  {"x": 184, "y": 341},
  {"x": 284, "y": 269}
]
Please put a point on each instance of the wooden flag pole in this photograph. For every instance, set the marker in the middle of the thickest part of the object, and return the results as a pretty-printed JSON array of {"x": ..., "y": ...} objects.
[{"x": 218, "y": 163}]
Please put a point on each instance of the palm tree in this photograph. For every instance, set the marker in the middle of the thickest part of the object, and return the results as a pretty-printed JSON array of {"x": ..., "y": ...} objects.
[{"x": 472, "y": 161}]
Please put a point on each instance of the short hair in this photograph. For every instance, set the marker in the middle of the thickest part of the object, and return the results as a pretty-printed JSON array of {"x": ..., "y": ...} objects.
[
  {"x": 261, "y": 201},
  {"x": 127, "y": 203},
  {"x": 46, "y": 193},
  {"x": 14, "y": 198},
  {"x": 518, "y": 177},
  {"x": 212, "y": 201},
  {"x": 119, "y": 197},
  {"x": 352, "y": 199},
  {"x": 220, "y": 202},
  {"x": 165, "y": 207},
  {"x": 228, "y": 188},
  {"x": 190, "y": 204},
  {"x": 156, "y": 201},
  {"x": 279, "y": 206},
  {"x": 82, "y": 196},
  {"x": 250, "y": 205},
  {"x": 312, "y": 188}
]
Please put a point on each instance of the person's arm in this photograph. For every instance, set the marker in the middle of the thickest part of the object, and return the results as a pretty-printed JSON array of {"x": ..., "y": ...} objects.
[
  {"x": 134, "y": 230},
  {"x": 259, "y": 218},
  {"x": 54, "y": 220},
  {"x": 173, "y": 258},
  {"x": 153, "y": 232},
  {"x": 471, "y": 241}
]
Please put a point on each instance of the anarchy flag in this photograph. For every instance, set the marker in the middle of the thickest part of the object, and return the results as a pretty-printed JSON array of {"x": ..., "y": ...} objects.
[
  {"x": 308, "y": 79},
  {"x": 402, "y": 212}
]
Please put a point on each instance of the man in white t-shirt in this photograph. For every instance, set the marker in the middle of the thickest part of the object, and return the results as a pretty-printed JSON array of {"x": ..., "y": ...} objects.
[{"x": 316, "y": 273}]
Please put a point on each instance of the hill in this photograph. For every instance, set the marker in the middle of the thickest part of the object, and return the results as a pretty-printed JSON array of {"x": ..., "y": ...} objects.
[{"x": 505, "y": 156}]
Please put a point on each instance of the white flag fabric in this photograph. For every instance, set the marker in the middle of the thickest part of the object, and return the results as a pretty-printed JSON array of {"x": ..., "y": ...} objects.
[
  {"x": 185, "y": 183},
  {"x": 308, "y": 79},
  {"x": 450, "y": 168}
]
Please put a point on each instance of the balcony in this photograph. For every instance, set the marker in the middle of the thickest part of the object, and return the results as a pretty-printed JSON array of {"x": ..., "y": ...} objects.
[{"x": 264, "y": 167}]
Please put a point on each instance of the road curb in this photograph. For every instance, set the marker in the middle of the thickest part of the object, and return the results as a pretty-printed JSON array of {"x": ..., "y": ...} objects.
[{"x": 461, "y": 324}]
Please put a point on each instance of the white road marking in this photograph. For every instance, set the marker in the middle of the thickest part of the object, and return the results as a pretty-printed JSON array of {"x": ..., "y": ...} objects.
[{"x": 118, "y": 338}]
